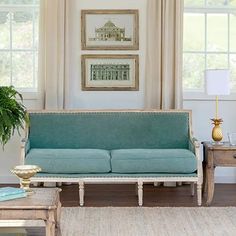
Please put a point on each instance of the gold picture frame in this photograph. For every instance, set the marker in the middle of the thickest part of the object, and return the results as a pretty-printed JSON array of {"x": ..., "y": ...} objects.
[
  {"x": 109, "y": 72},
  {"x": 109, "y": 29}
]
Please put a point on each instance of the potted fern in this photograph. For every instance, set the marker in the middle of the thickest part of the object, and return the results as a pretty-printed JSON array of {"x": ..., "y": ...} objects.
[{"x": 13, "y": 113}]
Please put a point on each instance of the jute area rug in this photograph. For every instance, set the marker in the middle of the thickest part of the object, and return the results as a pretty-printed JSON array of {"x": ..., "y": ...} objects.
[{"x": 143, "y": 221}]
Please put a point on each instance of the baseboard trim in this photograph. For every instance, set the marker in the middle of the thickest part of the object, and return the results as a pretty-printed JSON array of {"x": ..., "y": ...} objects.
[{"x": 225, "y": 179}]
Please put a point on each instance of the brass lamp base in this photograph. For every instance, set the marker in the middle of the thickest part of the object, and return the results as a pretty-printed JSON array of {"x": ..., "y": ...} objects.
[
  {"x": 217, "y": 134},
  {"x": 25, "y": 172}
]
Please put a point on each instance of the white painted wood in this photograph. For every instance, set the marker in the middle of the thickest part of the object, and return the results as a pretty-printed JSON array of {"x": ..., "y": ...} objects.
[
  {"x": 192, "y": 189},
  {"x": 199, "y": 194},
  {"x": 169, "y": 184},
  {"x": 49, "y": 184},
  {"x": 114, "y": 180},
  {"x": 81, "y": 193},
  {"x": 156, "y": 184},
  {"x": 36, "y": 184},
  {"x": 140, "y": 193},
  {"x": 59, "y": 184}
]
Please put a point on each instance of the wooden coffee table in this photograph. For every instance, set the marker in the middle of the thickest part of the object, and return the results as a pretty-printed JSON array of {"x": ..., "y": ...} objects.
[{"x": 44, "y": 204}]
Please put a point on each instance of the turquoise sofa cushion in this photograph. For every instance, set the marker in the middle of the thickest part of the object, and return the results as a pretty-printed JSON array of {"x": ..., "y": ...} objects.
[
  {"x": 68, "y": 161},
  {"x": 153, "y": 161},
  {"x": 110, "y": 130}
]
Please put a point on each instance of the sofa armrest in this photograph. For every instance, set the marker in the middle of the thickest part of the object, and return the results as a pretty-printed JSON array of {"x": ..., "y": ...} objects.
[
  {"x": 193, "y": 144},
  {"x": 25, "y": 147}
]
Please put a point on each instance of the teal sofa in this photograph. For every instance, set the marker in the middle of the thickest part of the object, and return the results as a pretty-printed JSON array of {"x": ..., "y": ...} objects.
[{"x": 113, "y": 147}]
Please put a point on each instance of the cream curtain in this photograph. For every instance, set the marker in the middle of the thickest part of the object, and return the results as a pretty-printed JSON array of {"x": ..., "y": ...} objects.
[
  {"x": 164, "y": 54},
  {"x": 52, "y": 53}
]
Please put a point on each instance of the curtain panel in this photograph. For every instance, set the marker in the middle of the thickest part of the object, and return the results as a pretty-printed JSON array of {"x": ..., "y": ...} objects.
[
  {"x": 163, "y": 82},
  {"x": 52, "y": 53}
]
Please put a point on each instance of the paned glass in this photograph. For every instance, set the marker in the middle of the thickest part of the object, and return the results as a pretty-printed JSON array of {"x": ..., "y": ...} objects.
[
  {"x": 193, "y": 71},
  {"x": 194, "y": 23},
  {"x": 217, "y": 32},
  {"x": 22, "y": 69}
]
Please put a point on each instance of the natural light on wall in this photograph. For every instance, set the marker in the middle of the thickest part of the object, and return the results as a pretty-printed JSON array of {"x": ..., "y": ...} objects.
[
  {"x": 209, "y": 41},
  {"x": 19, "y": 43}
]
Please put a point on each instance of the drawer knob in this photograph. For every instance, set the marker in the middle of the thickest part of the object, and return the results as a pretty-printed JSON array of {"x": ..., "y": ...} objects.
[{"x": 234, "y": 156}]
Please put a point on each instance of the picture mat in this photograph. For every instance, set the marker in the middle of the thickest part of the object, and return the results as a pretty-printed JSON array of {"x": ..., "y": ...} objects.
[
  {"x": 120, "y": 20},
  {"x": 110, "y": 83}
]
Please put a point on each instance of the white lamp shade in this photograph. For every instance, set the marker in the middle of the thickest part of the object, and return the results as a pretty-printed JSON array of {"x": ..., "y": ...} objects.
[{"x": 217, "y": 82}]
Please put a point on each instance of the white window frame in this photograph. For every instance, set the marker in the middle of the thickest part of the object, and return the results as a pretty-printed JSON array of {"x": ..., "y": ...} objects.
[
  {"x": 28, "y": 93},
  {"x": 199, "y": 95}
]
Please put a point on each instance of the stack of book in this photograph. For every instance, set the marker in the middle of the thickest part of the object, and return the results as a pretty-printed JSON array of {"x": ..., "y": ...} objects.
[{"x": 9, "y": 193}]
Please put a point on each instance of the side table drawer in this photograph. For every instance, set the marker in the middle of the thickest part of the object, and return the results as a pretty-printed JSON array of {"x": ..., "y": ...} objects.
[{"x": 225, "y": 158}]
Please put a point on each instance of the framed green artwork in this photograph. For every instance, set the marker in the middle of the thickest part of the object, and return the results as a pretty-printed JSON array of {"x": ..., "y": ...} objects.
[{"x": 110, "y": 72}]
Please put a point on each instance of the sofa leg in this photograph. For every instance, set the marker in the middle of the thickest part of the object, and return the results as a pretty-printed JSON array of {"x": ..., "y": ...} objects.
[
  {"x": 140, "y": 193},
  {"x": 156, "y": 184},
  {"x": 192, "y": 189},
  {"x": 199, "y": 194},
  {"x": 36, "y": 184},
  {"x": 81, "y": 193},
  {"x": 136, "y": 189}
]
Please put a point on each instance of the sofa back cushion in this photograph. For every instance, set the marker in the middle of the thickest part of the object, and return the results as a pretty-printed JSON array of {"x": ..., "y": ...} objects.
[{"x": 109, "y": 130}]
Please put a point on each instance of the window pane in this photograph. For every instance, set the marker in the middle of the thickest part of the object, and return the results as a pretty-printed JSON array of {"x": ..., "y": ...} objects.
[
  {"x": 233, "y": 71},
  {"x": 232, "y": 3},
  {"x": 5, "y": 69},
  {"x": 217, "y": 2},
  {"x": 36, "y": 29},
  {"x": 36, "y": 70},
  {"x": 194, "y": 23},
  {"x": 217, "y": 32},
  {"x": 217, "y": 61},
  {"x": 4, "y": 30},
  {"x": 232, "y": 33},
  {"x": 194, "y": 66},
  {"x": 19, "y": 2},
  {"x": 22, "y": 30},
  {"x": 22, "y": 69},
  {"x": 191, "y": 3},
  {"x": 5, "y": 1}
]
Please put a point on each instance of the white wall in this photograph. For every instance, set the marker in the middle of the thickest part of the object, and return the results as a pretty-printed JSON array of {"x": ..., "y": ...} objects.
[
  {"x": 202, "y": 110},
  {"x": 100, "y": 99}
]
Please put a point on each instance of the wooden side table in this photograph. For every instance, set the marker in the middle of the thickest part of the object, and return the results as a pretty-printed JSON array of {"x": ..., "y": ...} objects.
[
  {"x": 44, "y": 204},
  {"x": 215, "y": 155}
]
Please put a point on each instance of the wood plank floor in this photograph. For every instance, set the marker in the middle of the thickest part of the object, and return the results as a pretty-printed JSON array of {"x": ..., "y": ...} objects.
[{"x": 124, "y": 196}]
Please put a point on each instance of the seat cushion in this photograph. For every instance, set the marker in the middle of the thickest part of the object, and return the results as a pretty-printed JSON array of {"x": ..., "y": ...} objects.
[
  {"x": 66, "y": 161},
  {"x": 153, "y": 161}
]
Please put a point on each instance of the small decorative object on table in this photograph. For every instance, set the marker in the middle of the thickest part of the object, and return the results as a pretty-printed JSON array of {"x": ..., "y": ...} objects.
[
  {"x": 25, "y": 172},
  {"x": 9, "y": 193},
  {"x": 232, "y": 138},
  {"x": 217, "y": 83}
]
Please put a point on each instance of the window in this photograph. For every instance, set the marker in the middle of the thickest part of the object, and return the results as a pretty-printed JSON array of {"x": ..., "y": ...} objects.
[
  {"x": 209, "y": 41},
  {"x": 19, "y": 44}
]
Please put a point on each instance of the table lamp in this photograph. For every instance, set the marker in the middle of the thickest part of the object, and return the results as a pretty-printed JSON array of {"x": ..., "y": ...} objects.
[{"x": 217, "y": 83}]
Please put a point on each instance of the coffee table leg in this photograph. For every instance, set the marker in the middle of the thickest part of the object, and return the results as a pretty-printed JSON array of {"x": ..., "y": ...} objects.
[
  {"x": 58, "y": 215},
  {"x": 50, "y": 223}
]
